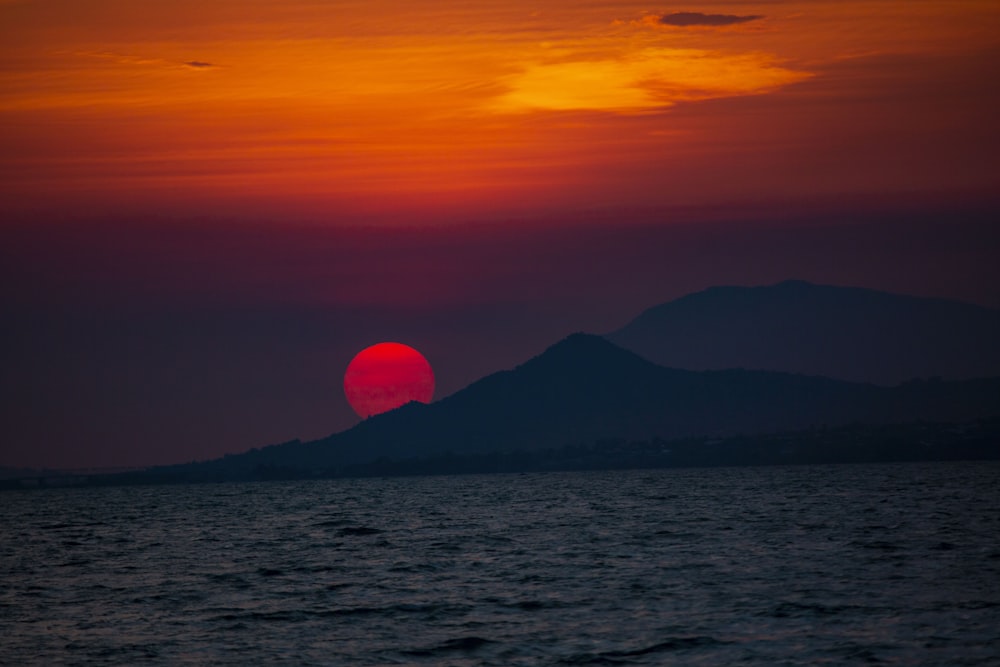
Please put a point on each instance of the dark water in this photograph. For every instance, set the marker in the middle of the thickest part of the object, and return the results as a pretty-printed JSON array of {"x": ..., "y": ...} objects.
[{"x": 895, "y": 564}]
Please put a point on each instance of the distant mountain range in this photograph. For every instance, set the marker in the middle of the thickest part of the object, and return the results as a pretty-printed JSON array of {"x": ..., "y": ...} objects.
[
  {"x": 840, "y": 332},
  {"x": 584, "y": 389},
  {"x": 588, "y": 389}
]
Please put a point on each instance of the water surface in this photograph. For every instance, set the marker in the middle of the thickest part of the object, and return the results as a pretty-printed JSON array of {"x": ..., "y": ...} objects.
[{"x": 850, "y": 564}]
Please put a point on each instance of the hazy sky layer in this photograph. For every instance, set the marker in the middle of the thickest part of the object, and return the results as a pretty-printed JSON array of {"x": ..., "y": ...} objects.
[
  {"x": 206, "y": 208},
  {"x": 330, "y": 108}
]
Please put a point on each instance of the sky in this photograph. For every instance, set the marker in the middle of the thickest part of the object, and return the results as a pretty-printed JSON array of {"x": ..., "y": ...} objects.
[{"x": 207, "y": 208}]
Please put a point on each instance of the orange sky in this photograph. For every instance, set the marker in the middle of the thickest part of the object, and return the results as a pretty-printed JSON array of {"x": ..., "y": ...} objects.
[
  {"x": 207, "y": 207},
  {"x": 327, "y": 106}
]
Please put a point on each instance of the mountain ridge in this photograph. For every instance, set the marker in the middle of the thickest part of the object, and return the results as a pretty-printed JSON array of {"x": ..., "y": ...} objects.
[
  {"x": 850, "y": 333},
  {"x": 584, "y": 388}
]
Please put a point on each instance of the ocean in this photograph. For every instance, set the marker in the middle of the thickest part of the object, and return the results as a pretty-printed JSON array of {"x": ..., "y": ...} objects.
[{"x": 853, "y": 564}]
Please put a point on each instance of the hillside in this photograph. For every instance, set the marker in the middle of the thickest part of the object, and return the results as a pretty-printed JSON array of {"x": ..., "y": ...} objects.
[
  {"x": 848, "y": 333},
  {"x": 584, "y": 389}
]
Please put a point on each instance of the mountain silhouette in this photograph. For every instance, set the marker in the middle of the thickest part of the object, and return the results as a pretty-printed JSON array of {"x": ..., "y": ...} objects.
[
  {"x": 584, "y": 388},
  {"x": 848, "y": 333}
]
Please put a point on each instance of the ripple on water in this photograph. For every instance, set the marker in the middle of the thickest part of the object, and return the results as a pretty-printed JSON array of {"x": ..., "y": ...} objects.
[{"x": 828, "y": 564}]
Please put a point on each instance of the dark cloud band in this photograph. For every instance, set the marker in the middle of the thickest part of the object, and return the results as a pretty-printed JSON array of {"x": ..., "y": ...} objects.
[{"x": 688, "y": 19}]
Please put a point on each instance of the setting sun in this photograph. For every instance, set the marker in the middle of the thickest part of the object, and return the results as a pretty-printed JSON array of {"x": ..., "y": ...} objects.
[{"x": 385, "y": 376}]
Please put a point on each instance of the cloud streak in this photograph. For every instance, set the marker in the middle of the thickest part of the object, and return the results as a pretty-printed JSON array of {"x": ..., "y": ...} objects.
[
  {"x": 698, "y": 19},
  {"x": 143, "y": 61},
  {"x": 650, "y": 79}
]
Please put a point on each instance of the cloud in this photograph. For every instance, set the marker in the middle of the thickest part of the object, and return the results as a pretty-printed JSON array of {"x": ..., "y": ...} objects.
[
  {"x": 143, "y": 61},
  {"x": 697, "y": 19},
  {"x": 654, "y": 78},
  {"x": 121, "y": 58}
]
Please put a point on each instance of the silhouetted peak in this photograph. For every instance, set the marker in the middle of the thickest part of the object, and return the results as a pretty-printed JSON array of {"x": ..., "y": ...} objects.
[
  {"x": 580, "y": 351},
  {"x": 584, "y": 346},
  {"x": 796, "y": 296},
  {"x": 783, "y": 288},
  {"x": 851, "y": 333},
  {"x": 793, "y": 283},
  {"x": 580, "y": 342}
]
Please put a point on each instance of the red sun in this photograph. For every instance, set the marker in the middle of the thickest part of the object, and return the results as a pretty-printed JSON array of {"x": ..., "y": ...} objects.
[{"x": 385, "y": 376}]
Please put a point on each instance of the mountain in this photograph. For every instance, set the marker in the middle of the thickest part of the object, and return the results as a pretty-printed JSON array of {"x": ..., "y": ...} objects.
[
  {"x": 848, "y": 333},
  {"x": 584, "y": 389}
]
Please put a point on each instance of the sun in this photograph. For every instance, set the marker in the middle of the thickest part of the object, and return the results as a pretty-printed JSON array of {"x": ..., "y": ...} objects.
[{"x": 385, "y": 376}]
